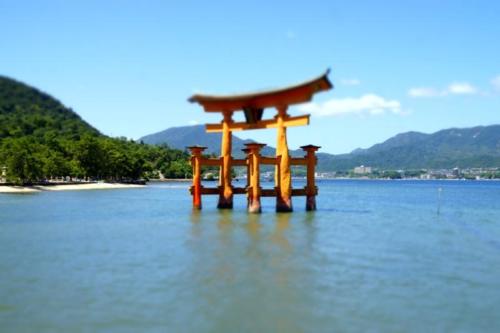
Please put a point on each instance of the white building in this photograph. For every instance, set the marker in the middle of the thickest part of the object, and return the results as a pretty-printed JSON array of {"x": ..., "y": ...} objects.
[
  {"x": 3, "y": 174},
  {"x": 360, "y": 170}
]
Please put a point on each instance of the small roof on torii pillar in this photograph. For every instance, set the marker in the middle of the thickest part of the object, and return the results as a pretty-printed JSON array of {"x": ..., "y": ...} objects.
[{"x": 253, "y": 104}]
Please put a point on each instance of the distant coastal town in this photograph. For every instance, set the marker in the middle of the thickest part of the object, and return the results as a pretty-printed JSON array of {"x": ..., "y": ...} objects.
[
  {"x": 367, "y": 172},
  {"x": 360, "y": 172}
]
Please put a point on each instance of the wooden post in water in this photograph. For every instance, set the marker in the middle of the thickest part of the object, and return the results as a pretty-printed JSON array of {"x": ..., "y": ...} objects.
[
  {"x": 196, "y": 152},
  {"x": 311, "y": 189},
  {"x": 254, "y": 190},
  {"x": 226, "y": 189},
  {"x": 283, "y": 177},
  {"x": 247, "y": 154}
]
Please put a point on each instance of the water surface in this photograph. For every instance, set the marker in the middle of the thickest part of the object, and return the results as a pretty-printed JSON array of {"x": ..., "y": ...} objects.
[{"x": 386, "y": 256}]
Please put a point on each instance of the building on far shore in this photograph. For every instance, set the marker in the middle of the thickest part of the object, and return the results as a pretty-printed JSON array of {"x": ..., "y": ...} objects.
[
  {"x": 3, "y": 174},
  {"x": 362, "y": 170}
]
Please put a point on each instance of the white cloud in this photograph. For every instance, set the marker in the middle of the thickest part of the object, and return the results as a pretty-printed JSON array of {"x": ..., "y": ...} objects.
[
  {"x": 193, "y": 122},
  {"x": 350, "y": 82},
  {"x": 496, "y": 83},
  {"x": 455, "y": 88},
  {"x": 461, "y": 88},
  {"x": 424, "y": 92},
  {"x": 367, "y": 104}
]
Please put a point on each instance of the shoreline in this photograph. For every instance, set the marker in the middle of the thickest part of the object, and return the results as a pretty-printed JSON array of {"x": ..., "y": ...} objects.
[
  {"x": 13, "y": 189},
  {"x": 66, "y": 187},
  {"x": 412, "y": 179},
  {"x": 168, "y": 180}
]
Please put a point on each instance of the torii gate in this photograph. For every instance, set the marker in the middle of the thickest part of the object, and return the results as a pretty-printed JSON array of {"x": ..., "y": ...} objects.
[{"x": 253, "y": 105}]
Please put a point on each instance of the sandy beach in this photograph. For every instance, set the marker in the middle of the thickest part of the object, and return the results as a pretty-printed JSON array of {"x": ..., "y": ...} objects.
[{"x": 69, "y": 187}]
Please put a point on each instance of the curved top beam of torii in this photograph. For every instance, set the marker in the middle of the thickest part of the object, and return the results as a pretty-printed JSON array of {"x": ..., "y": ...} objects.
[{"x": 295, "y": 94}]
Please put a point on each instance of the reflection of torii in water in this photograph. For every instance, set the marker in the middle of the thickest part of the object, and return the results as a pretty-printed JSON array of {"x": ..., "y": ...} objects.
[{"x": 253, "y": 105}]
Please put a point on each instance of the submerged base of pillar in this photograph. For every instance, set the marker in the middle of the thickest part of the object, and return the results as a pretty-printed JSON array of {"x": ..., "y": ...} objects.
[
  {"x": 196, "y": 207},
  {"x": 225, "y": 203},
  {"x": 254, "y": 207},
  {"x": 284, "y": 205},
  {"x": 311, "y": 203}
]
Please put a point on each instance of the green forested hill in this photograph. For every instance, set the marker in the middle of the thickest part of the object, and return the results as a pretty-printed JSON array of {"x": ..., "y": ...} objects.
[
  {"x": 27, "y": 111},
  {"x": 41, "y": 139}
]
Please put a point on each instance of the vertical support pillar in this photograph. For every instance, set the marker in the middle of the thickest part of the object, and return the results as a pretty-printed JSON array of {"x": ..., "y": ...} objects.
[
  {"x": 283, "y": 177},
  {"x": 254, "y": 189},
  {"x": 311, "y": 189},
  {"x": 247, "y": 154},
  {"x": 247, "y": 159},
  {"x": 195, "y": 189},
  {"x": 226, "y": 189}
]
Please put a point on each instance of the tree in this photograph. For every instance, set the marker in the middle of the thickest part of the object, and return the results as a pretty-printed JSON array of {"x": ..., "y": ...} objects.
[
  {"x": 90, "y": 155},
  {"x": 55, "y": 165},
  {"x": 23, "y": 165}
]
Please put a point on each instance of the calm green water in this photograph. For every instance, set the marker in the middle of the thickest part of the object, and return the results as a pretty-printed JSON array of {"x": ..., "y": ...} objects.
[{"x": 377, "y": 256}]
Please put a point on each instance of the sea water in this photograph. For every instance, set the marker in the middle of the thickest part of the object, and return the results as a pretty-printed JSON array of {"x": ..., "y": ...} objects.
[{"x": 379, "y": 256}]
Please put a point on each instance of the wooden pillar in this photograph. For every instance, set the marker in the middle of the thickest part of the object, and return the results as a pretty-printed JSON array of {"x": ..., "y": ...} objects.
[
  {"x": 254, "y": 190},
  {"x": 195, "y": 189},
  {"x": 247, "y": 153},
  {"x": 283, "y": 177},
  {"x": 226, "y": 190},
  {"x": 311, "y": 189}
]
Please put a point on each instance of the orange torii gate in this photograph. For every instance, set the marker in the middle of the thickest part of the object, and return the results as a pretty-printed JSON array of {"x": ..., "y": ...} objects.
[{"x": 253, "y": 106}]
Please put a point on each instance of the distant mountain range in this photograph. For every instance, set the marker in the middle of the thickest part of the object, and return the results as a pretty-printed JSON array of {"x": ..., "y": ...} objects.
[
  {"x": 184, "y": 136},
  {"x": 456, "y": 147}
]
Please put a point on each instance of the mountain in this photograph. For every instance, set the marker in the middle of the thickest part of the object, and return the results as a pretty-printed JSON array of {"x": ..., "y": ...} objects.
[
  {"x": 402, "y": 139},
  {"x": 184, "y": 136},
  {"x": 25, "y": 110},
  {"x": 463, "y": 147},
  {"x": 42, "y": 139},
  {"x": 456, "y": 147}
]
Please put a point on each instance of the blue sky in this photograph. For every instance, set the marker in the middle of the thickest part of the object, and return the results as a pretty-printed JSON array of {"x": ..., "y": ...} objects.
[{"x": 128, "y": 67}]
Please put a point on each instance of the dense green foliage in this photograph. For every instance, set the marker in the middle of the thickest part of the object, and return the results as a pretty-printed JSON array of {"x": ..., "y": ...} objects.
[{"x": 41, "y": 139}]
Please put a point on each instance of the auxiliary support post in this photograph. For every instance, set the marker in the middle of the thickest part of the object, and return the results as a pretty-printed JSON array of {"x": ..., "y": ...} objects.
[
  {"x": 254, "y": 190},
  {"x": 311, "y": 189},
  {"x": 196, "y": 156}
]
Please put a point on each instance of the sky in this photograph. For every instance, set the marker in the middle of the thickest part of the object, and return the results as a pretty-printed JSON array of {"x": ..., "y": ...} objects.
[{"x": 128, "y": 67}]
